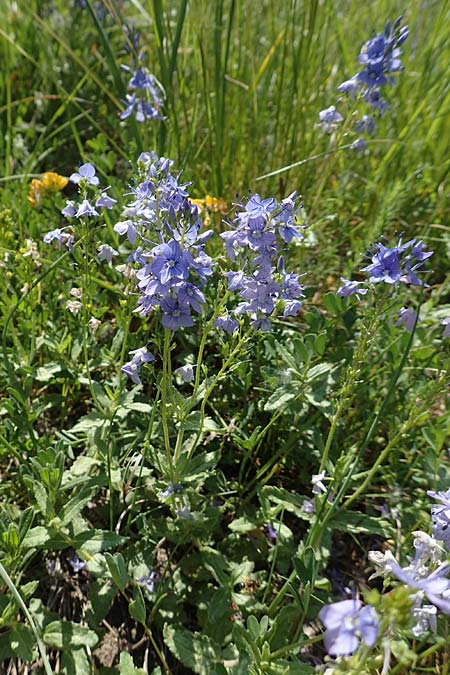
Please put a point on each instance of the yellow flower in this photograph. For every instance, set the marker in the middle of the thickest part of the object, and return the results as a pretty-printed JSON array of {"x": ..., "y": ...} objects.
[
  {"x": 34, "y": 197},
  {"x": 216, "y": 204},
  {"x": 50, "y": 182},
  {"x": 198, "y": 202},
  {"x": 53, "y": 182}
]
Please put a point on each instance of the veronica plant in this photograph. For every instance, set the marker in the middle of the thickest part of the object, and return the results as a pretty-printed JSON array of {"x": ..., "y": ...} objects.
[
  {"x": 177, "y": 280},
  {"x": 380, "y": 58}
]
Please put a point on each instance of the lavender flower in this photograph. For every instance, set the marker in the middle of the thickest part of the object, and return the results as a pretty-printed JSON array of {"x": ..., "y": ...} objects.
[
  {"x": 171, "y": 490},
  {"x": 85, "y": 176},
  {"x": 408, "y": 318},
  {"x": 173, "y": 266},
  {"x": 347, "y": 623},
  {"x": 226, "y": 323},
  {"x": 270, "y": 532},
  {"x": 440, "y": 514},
  {"x": 147, "y": 95},
  {"x": 106, "y": 252},
  {"x": 446, "y": 323},
  {"x": 350, "y": 288},
  {"x": 317, "y": 483},
  {"x": 395, "y": 264},
  {"x": 185, "y": 372},
  {"x": 359, "y": 145},
  {"x": 329, "y": 119},
  {"x": 76, "y": 563},
  {"x": 262, "y": 282},
  {"x": 133, "y": 367},
  {"x": 380, "y": 58},
  {"x": 149, "y": 582},
  {"x": 61, "y": 236}
]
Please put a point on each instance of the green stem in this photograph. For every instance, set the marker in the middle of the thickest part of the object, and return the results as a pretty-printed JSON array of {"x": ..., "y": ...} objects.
[
  {"x": 164, "y": 403},
  {"x": 212, "y": 386},
  {"x": 20, "y": 603}
]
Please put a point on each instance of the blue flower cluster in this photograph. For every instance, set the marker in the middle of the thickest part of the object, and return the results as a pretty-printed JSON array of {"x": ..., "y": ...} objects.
[
  {"x": 392, "y": 265},
  {"x": 146, "y": 98},
  {"x": 348, "y": 622},
  {"x": 173, "y": 266},
  {"x": 89, "y": 207},
  {"x": 380, "y": 57},
  {"x": 262, "y": 282}
]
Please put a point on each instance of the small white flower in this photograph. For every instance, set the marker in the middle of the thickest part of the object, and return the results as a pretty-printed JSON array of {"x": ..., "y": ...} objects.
[
  {"x": 93, "y": 323},
  {"x": 76, "y": 292},
  {"x": 73, "y": 306}
]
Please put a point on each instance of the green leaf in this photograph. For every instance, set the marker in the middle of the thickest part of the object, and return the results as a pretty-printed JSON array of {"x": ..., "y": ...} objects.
[
  {"x": 64, "y": 634},
  {"x": 26, "y": 519},
  {"x": 195, "y": 650},
  {"x": 36, "y": 537},
  {"x": 19, "y": 642},
  {"x": 94, "y": 541},
  {"x": 73, "y": 507},
  {"x": 48, "y": 372},
  {"x": 193, "y": 421},
  {"x": 333, "y": 303},
  {"x": 137, "y": 606},
  {"x": 350, "y": 521},
  {"x": 290, "y": 501},
  {"x": 127, "y": 667},
  {"x": 88, "y": 423},
  {"x": 279, "y": 399},
  {"x": 75, "y": 661},
  {"x": 117, "y": 569},
  {"x": 101, "y": 598}
]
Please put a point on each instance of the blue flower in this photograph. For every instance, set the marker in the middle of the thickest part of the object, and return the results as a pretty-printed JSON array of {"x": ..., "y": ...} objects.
[
  {"x": 149, "y": 582},
  {"x": 105, "y": 202},
  {"x": 226, "y": 323},
  {"x": 395, "y": 264},
  {"x": 86, "y": 209},
  {"x": 329, "y": 119},
  {"x": 365, "y": 125},
  {"x": 170, "y": 262},
  {"x": 175, "y": 315},
  {"x": 347, "y": 623},
  {"x": 350, "y": 288},
  {"x": 106, "y": 252},
  {"x": 408, "y": 318},
  {"x": 61, "y": 236},
  {"x": 133, "y": 367},
  {"x": 446, "y": 323},
  {"x": 185, "y": 372},
  {"x": 440, "y": 514},
  {"x": 86, "y": 175},
  {"x": 76, "y": 563},
  {"x": 147, "y": 95}
]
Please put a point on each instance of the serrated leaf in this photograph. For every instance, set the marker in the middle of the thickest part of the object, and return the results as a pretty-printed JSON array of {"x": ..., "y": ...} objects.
[
  {"x": 64, "y": 634},
  {"x": 195, "y": 650},
  {"x": 127, "y": 667}
]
